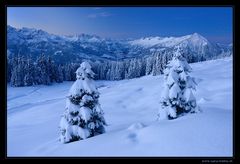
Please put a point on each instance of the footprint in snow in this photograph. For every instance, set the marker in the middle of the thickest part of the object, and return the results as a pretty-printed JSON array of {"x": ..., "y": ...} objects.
[
  {"x": 139, "y": 89},
  {"x": 203, "y": 100},
  {"x": 136, "y": 126},
  {"x": 132, "y": 131},
  {"x": 132, "y": 137}
]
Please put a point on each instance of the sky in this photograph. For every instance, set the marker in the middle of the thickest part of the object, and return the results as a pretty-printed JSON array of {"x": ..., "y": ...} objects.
[{"x": 214, "y": 23}]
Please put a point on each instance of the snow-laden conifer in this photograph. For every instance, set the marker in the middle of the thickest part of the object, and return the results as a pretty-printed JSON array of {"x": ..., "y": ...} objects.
[
  {"x": 177, "y": 96},
  {"x": 83, "y": 116}
]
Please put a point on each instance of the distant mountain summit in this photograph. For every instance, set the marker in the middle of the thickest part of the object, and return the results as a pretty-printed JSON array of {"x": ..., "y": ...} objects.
[{"x": 33, "y": 42}]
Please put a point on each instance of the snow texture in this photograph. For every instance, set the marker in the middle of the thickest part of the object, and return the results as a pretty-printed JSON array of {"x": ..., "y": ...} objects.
[{"x": 130, "y": 108}]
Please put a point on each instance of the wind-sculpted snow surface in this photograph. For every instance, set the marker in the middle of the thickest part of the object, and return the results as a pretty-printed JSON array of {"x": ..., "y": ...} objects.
[{"x": 130, "y": 108}]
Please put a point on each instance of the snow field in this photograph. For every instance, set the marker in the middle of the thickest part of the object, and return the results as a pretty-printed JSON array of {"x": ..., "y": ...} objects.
[{"x": 130, "y": 108}]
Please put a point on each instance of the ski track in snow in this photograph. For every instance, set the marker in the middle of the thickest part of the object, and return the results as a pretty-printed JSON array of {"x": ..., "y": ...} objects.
[
  {"x": 22, "y": 95},
  {"x": 130, "y": 108},
  {"x": 26, "y": 106}
]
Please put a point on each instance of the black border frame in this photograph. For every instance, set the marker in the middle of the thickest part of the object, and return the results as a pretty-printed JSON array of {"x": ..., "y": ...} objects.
[{"x": 117, "y": 3}]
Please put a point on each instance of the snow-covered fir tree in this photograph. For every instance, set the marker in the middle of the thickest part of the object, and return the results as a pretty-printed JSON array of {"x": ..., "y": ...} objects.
[
  {"x": 118, "y": 71},
  {"x": 149, "y": 65},
  {"x": 17, "y": 77},
  {"x": 67, "y": 72},
  {"x": 29, "y": 69},
  {"x": 83, "y": 116},
  {"x": 43, "y": 67},
  {"x": 177, "y": 97},
  {"x": 157, "y": 68},
  {"x": 9, "y": 70},
  {"x": 51, "y": 69},
  {"x": 59, "y": 73}
]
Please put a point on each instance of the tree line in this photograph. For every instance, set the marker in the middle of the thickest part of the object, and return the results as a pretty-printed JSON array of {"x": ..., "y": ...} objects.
[{"x": 23, "y": 71}]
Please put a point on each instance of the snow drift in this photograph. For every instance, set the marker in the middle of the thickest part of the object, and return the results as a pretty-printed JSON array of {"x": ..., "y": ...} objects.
[{"x": 131, "y": 108}]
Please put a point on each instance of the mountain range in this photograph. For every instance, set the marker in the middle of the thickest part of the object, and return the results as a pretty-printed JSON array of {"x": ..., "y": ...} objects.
[{"x": 34, "y": 42}]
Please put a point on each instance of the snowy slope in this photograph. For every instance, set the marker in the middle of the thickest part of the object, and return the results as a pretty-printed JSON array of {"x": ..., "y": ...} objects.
[
  {"x": 130, "y": 108},
  {"x": 161, "y": 41}
]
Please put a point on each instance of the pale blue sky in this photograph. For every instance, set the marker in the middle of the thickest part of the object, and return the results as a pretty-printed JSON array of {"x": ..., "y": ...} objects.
[{"x": 214, "y": 23}]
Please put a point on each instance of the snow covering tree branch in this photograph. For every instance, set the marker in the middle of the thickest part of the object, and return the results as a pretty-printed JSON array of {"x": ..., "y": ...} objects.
[
  {"x": 177, "y": 97},
  {"x": 83, "y": 116}
]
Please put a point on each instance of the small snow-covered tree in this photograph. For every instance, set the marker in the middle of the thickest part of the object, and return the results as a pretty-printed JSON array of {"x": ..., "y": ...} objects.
[
  {"x": 68, "y": 72},
  {"x": 149, "y": 65},
  {"x": 9, "y": 70},
  {"x": 51, "y": 69},
  {"x": 17, "y": 78},
  {"x": 142, "y": 64},
  {"x": 29, "y": 69},
  {"x": 59, "y": 74},
  {"x": 157, "y": 67},
  {"x": 83, "y": 116},
  {"x": 43, "y": 69},
  {"x": 119, "y": 71},
  {"x": 177, "y": 97}
]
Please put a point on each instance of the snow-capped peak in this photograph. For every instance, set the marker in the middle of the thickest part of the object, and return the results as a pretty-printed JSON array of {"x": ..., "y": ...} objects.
[
  {"x": 33, "y": 31},
  {"x": 82, "y": 37},
  {"x": 196, "y": 38},
  {"x": 168, "y": 41},
  {"x": 196, "y": 35}
]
